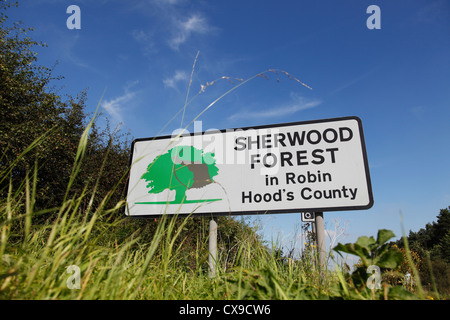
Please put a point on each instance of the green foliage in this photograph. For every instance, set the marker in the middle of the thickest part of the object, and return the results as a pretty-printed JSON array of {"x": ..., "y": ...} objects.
[
  {"x": 164, "y": 258},
  {"x": 378, "y": 253},
  {"x": 432, "y": 244},
  {"x": 30, "y": 107},
  {"x": 119, "y": 258},
  {"x": 435, "y": 275},
  {"x": 56, "y": 167},
  {"x": 432, "y": 237},
  {"x": 374, "y": 252},
  {"x": 444, "y": 247},
  {"x": 71, "y": 212}
]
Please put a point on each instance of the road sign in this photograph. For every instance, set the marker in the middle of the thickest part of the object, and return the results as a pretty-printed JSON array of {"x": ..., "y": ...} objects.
[
  {"x": 293, "y": 167},
  {"x": 308, "y": 217}
]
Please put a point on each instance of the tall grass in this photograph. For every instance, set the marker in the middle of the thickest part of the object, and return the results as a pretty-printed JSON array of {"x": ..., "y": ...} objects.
[
  {"x": 118, "y": 258},
  {"x": 35, "y": 257}
]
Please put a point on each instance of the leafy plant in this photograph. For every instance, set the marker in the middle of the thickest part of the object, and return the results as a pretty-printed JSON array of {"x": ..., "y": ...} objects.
[{"x": 374, "y": 252}]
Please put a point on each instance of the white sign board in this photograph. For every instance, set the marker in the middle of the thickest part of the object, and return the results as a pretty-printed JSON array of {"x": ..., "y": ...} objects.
[{"x": 295, "y": 167}]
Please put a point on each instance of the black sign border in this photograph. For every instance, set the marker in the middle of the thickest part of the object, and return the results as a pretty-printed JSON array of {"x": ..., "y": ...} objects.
[{"x": 297, "y": 210}]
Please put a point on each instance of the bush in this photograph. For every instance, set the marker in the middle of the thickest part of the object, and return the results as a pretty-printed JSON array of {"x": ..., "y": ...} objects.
[{"x": 435, "y": 275}]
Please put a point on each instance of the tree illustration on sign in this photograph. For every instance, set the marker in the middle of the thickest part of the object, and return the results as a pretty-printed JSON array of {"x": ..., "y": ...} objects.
[{"x": 180, "y": 169}]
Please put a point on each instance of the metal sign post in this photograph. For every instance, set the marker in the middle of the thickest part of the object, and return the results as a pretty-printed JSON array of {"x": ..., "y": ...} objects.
[
  {"x": 212, "y": 258},
  {"x": 320, "y": 239},
  {"x": 318, "y": 230},
  {"x": 308, "y": 166}
]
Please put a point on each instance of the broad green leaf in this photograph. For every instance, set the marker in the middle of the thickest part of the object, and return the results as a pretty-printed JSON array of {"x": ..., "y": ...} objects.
[
  {"x": 381, "y": 251},
  {"x": 384, "y": 235},
  {"x": 400, "y": 293},
  {"x": 390, "y": 259},
  {"x": 365, "y": 242},
  {"x": 355, "y": 249},
  {"x": 344, "y": 248}
]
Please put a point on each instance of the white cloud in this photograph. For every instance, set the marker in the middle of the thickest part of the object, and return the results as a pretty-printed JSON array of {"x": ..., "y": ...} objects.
[
  {"x": 115, "y": 107},
  {"x": 168, "y": 2},
  {"x": 65, "y": 44},
  {"x": 184, "y": 29},
  {"x": 195, "y": 23},
  {"x": 177, "y": 77},
  {"x": 140, "y": 36},
  {"x": 434, "y": 12},
  {"x": 353, "y": 81},
  {"x": 298, "y": 104},
  {"x": 172, "y": 21},
  {"x": 145, "y": 39}
]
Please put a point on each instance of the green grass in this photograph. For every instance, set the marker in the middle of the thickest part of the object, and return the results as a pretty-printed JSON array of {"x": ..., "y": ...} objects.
[
  {"x": 118, "y": 260},
  {"x": 123, "y": 258}
]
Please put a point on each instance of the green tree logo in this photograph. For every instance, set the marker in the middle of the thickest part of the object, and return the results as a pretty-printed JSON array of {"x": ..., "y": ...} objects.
[{"x": 180, "y": 169}]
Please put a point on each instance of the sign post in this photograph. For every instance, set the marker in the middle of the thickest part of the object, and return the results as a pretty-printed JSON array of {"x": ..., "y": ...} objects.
[
  {"x": 212, "y": 258},
  {"x": 320, "y": 240},
  {"x": 311, "y": 167}
]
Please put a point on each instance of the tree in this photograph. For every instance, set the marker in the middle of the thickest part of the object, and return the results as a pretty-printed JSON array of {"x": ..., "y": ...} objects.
[
  {"x": 444, "y": 246},
  {"x": 30, "y": 107},
  {"x": 430, "y": 238},
  {"x": 105, "y": 165},
  {"x": 432, "y": 243},
  {"x": 181, "y": 169},
  {"x": 442, "y": 226}
]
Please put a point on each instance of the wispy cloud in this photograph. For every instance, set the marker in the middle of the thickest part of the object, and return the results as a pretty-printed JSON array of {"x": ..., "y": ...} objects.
[
  {"x": 173, "y": 22},
  {"x": 297, "y": 104},
  {"x": 145, "y": 39},
  {"x": 168, "y": 2},
  {"x": 140, "y": 36},
  {"x": 115, "y": 107},
  {"x": 183, "y": 30},
  {"x": 435, "y": 12},
  {"x": 65, "y": 44},
  {"x": 353, "y": 81},
  {"x": 171, "y": 82}
]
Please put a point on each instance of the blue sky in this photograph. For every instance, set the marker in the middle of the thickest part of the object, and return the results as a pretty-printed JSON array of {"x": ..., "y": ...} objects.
[{"x": 396, "y": 79}]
